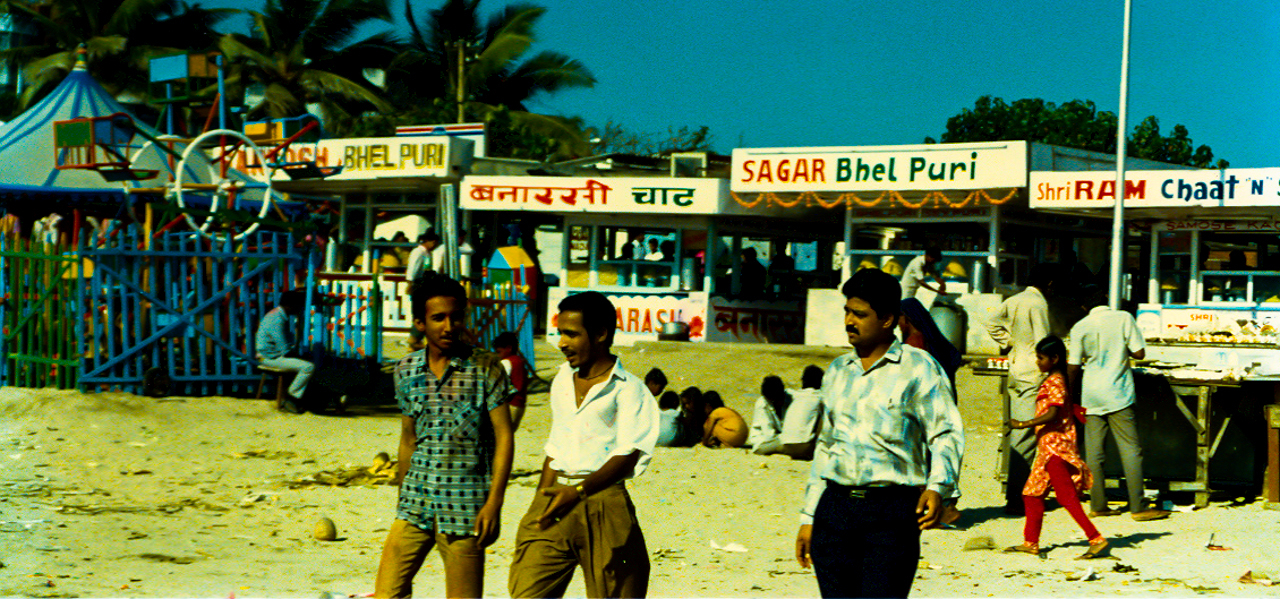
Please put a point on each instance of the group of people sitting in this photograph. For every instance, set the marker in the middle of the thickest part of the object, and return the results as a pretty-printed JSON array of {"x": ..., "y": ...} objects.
[{"x": 785, "y": 421}]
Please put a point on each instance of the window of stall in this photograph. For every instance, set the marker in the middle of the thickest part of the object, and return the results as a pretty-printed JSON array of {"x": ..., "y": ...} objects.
[{"x": 641, "y": 258}]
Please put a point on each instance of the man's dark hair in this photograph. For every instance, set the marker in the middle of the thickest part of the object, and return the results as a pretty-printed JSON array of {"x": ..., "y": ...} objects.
[
  {"x": 293, "y": 301},
  {"x": 1095, "y": 296},
  {"x": 749, "y": 253},
  {"x": 598, "y": 314},
  {"x": 1043, "y": 275},
  {"x": 656, "y": 376},
  {"x": 775, "y": 393},
  {"x": 877, "y": 288},
  {"x": 933, "y": 252},
  {"x": 812, "y": 377},
  {"x": 506, "y": 339},
  {"x": 429, "y": 236},
  {"x": 433, "y": 284},
  {"x": 669, "y": 401},
  {"x": 712, "y": 400}
]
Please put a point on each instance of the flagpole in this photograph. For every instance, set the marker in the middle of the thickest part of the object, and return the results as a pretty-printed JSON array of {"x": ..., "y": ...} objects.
[{"x": 1117, "y": 217}]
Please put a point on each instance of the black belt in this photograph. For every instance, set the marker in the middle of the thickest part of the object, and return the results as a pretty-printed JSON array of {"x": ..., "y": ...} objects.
[{"x": 875, "y": 491}]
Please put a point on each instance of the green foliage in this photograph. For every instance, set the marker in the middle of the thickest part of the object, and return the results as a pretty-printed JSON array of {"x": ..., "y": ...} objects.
[
  {"x": 306, "y": 51},
  {"x": 495, "y": 83},
  {"x": 613, "y": 138},
  {"x": 1075, "y": 124},
  {"x": 120, "y": 36}
]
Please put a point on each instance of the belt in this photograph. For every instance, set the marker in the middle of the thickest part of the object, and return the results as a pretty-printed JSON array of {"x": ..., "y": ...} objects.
[
  {"x": 874, "y": 491},
  {"x": 570, "y": 480}
]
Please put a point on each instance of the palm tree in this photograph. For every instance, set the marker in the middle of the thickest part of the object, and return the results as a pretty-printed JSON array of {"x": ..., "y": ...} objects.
[
  {"x": 305, "y": 51},
  {"x": 493, "y": 84},
  {"x": 119, "y": 35}
]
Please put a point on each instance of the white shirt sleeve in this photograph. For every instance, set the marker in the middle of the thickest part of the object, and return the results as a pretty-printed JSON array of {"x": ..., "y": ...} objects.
[
  {"x": 1136, "y": 342},
  {"x": 637, "y": 424},
  {"x": 1075, "y": 346},
  {"x": 815, "y": 486}
]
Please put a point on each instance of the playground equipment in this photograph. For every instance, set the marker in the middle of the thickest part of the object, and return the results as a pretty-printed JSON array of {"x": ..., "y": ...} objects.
[{"x": 197, "y": 175}]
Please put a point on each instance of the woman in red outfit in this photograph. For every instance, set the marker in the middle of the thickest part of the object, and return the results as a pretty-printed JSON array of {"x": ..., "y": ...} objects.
[{"x": 1057, "y": 461}]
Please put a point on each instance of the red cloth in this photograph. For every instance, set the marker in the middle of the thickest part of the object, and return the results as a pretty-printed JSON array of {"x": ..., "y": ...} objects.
[
  {"x": 1056, "y": 438},
  {"x": 1064, "y": 490},
  {"x": 517, "y": 379}
]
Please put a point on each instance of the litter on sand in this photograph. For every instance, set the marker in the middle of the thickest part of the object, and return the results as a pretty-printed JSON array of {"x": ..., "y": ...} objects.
[{"x": 731, "y": 547}]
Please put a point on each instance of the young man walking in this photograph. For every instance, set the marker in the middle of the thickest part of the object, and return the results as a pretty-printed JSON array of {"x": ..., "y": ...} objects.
[
  {"x": 889, "y": 452},
  {"x": 604, "y": 424},
  {"x": 456, "y": 447}
]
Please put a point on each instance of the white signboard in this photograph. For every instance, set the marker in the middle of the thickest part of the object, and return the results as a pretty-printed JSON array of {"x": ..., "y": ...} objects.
[
  {"x": 1228, "y": 226},
  {"x": 881, "y": 168},
  {"x": 365, "y": 158},
  {"x": 1233, "y": 187},
  {"x": 636, "y": 195},
  {"x": 641, "y": 317}
]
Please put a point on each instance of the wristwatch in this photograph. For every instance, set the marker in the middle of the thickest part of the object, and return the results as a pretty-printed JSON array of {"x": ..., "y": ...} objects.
[{"x": 582, "y": 491}]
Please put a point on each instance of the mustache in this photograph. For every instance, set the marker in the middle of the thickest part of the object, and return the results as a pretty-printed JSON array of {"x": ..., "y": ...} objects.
[{"x": 851, "y": 329}]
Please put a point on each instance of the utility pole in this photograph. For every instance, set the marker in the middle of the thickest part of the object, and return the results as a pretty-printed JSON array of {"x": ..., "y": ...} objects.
[
  {"x": 462, "y": 63},
  {"x": 1117, "y": 214}
]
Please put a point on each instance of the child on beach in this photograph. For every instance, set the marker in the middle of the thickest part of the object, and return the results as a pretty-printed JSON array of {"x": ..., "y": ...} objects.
[
  {"x": 668, "y": 419},
  {"x": 766, "y": 421},
  {"x": 1057, "y": 458},
  {"x": 724, "y": 427},
  {"x": 507, "y": 346}
]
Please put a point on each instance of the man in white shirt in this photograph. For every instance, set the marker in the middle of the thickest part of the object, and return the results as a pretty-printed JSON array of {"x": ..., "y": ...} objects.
[
  {"x": 913, "y": 276},
  {"x": 1018, "y": 325},
  {"x": 420, "y": 259},
  {"x": 800, "y": 425},
  {"x": 1101, "y": 345},
  {"x": 604, "y": 424},
  {"x": 888, "y": 454}
]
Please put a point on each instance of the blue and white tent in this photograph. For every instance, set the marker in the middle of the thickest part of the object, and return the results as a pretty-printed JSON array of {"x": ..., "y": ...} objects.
[{"x": 28, "y": 169}]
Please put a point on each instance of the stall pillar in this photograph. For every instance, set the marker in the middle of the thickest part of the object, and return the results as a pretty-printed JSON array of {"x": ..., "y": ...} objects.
[
  {"x": 735, "y": 281},
  {"x": 993, "y": 249},
  {"x": 1271, "y": 487},
  {"x": 1193, "y": 286},
  {"x": 846, "y": 268},
  {"x": 1153, "y": 269},
  {"x": 366, "y": 262},
  {"x": 710, "y": 258}
]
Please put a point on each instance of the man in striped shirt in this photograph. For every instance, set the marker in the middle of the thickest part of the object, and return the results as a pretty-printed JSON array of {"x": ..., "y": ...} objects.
[{"x": 889, "y": 452}]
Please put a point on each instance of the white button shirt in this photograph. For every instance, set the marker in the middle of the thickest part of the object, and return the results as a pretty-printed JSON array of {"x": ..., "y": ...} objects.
[
  {"x": 1019, "y": 324},
  {"x": 912, "y": 275},
  {"x": 1101, "y": 343},
  {"x": 800, "y": 425},
  {"x": 616, "y": 417}
]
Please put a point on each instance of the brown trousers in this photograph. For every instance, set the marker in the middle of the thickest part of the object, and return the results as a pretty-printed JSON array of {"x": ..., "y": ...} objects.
[
  {"x": 407, "y": 547},
  {"x": 600, "y": 533}
]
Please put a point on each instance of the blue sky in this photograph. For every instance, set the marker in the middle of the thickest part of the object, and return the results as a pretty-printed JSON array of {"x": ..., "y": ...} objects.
[{"x": 845, "y": 72}]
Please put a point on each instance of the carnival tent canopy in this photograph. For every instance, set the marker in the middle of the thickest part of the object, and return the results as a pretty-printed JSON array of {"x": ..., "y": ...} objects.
[{"x": 28, "y": 171}]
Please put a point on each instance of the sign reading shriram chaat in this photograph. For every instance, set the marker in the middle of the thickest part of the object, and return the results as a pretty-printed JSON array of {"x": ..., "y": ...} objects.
[{"x": 924, "y": 167}]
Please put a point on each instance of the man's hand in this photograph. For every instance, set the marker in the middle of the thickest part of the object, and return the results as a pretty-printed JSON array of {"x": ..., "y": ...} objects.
[
  {"x": 803, "y": 540},
  {"x": 930, "y": 509},
  {"x": 563, "y": 500},
  {"x": 488, "y": 524}
]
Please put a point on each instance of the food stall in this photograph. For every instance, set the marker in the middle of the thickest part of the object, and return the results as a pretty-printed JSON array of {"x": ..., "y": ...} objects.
[
  {"x": 1202, "y": 259},
  {"x": 668, "y": 251},
  {"x": 970, "y": 200}
]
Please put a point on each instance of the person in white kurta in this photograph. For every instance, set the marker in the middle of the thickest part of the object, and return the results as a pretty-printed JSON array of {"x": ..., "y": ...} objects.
[{"x": 1019, "y": 324}]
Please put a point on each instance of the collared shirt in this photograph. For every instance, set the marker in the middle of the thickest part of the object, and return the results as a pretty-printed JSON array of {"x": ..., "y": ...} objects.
[
  {"x": 419, "y": 260},
  {"x": 881, "y": 424},
  {"x": 668, "y": 427},
  {"x": 450, "y": 472},
  {"x": 765, "y": 424},
  {"x": 275, "y": 336},
  {"x": 1019, "y": 324},
  {"x": 1101, "y": 343},
  {"x": 616, "y": 417},
  {"x": 912, "y": 275},
  {"x": 800, "y": 424}
]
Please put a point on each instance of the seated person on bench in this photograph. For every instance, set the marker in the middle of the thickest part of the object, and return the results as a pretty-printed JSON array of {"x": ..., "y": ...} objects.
[{"x": 276, "y": 340}]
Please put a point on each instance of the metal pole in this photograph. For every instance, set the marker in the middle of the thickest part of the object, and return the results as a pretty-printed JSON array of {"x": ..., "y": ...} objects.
[
  {"x": 222, "y": 94},
  {"x": 1117, "y": 217},
  {"x": 846, "y": 268},
  {"x": 993, "y": 252},
  {"x": 1153, "y": 272}
]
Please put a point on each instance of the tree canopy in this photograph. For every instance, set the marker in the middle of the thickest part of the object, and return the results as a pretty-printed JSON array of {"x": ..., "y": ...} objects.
[
  {"x": 1074, "y": 124},
  {"x": 119, "y": 36}
]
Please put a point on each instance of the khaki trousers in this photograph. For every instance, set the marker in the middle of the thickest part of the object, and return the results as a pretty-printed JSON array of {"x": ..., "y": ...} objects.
[
  {"x": 600, "y": 534},
  {"x": 406, "y": 548}
]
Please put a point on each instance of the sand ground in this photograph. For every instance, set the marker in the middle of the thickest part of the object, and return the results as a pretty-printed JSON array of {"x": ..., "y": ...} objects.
[{"x": 114, "y": 495}]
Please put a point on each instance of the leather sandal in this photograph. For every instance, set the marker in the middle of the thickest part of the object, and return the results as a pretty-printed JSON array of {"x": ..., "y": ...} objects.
[
  {"x": 1027, "y": 548},
  {"x": 1098, "y": 549}
]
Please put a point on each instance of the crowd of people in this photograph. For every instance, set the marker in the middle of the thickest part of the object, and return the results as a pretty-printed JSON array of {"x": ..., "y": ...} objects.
[{"x": 881, "y": 426}]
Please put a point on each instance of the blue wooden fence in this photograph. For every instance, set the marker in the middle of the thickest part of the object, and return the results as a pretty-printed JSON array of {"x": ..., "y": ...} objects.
[{"x": 499, "y": 308}]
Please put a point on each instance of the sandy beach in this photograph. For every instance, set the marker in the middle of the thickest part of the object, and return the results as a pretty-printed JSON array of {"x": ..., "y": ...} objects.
[{"x": 114, "y": 495}]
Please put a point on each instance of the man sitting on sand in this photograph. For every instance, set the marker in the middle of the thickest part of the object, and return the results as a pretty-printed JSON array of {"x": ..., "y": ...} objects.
[
  {"x": 724, "y": 427},
  {"x": 800, "y": 425}
]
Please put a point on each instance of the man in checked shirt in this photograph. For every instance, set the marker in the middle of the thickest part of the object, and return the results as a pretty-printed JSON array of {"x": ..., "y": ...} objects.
[{"x": 888, "y": 453}]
